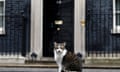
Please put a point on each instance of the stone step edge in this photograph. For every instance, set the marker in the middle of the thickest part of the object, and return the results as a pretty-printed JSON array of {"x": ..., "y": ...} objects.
[{"x": 53, "y": 65}]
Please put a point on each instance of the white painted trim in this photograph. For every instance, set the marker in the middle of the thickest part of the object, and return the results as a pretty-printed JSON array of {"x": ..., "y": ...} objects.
[
  {"x": 4, "y": 32},
  {"x": 2, "y": 29},
  {"x": 114, "y": 17},
  {"x": 32, "y": 27},
  {"x": 2, "y": 0},
  {"x": 41, "y": 31},
  {"x": 79, "y": 30},
  {"x": 36, "y": 27},
  {"x": 116, "y": 29}
]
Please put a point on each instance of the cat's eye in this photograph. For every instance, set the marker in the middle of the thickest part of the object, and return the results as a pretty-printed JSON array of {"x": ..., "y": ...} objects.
[
  {"x": 62, "y": 47},
  {"x": 56, "y": 47}
]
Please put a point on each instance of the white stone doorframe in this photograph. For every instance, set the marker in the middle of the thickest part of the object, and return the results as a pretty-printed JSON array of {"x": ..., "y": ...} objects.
[
  {"x": 37, "y": 27},
  {"x": 79, "y": 26}
]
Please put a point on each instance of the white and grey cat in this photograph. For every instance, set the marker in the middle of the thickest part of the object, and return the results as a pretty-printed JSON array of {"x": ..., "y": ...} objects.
[{"x": 65, "y": 59}]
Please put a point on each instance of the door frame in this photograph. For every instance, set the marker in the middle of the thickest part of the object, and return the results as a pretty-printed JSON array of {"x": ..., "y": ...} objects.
[
  {"x": 37, "y": 27},
  {"x": 79, "y": 27}
]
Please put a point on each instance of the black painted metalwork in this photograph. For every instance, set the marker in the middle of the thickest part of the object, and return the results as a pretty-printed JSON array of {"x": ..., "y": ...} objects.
[{"x": 100, "y": 38}]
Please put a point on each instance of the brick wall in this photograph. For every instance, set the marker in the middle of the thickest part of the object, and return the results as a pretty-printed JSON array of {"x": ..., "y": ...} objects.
[
  {"x": 99, "y": 18},
  {"x": 14, "y": 41}
]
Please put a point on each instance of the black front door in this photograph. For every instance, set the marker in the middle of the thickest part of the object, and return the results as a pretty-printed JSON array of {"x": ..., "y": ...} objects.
[{"x": 50, "y": 33}]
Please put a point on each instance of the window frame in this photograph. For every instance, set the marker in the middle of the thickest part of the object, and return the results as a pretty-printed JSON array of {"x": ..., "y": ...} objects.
[
  {"x": 116, "y": 28},
  {"x": 2, "y": 29}
]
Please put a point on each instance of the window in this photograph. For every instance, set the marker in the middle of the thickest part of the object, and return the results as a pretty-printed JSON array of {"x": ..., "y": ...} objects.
[
  {"x": 116, "y": 16},
  {"x": 2, "y": 16}
]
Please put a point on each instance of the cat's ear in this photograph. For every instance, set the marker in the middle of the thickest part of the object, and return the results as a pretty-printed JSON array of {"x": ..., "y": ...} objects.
[
  {"x": 64, "y": 43},
  {"x": 55, "y": 43}
]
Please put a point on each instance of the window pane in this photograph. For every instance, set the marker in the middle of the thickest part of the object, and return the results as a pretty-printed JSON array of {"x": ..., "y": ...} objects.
[
  {"x": 1, "y": 7},
  {"x": 117, "y": 19},
  {"x": 117, "y": 5},
  {"x": 2, "y": 18},
  {"x": 1, "y": 21}
]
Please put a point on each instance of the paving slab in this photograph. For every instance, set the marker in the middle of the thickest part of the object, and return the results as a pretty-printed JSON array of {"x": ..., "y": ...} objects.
[{"x": 4, "y": 69}]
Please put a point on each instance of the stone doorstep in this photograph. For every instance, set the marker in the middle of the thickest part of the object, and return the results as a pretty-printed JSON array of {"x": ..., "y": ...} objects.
[
  {"x": 29, "y": 65},
  {"x": 44, "y": 63},
  {"x": 103, "y": 61},
  {"x": 89, "y": 63},
  {"x": 12, "y": 59},
  {"x": 55, "y": 66}
]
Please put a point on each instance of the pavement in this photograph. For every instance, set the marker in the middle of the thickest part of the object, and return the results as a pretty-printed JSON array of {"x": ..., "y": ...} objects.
[{"x": 4, "y": 69}]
